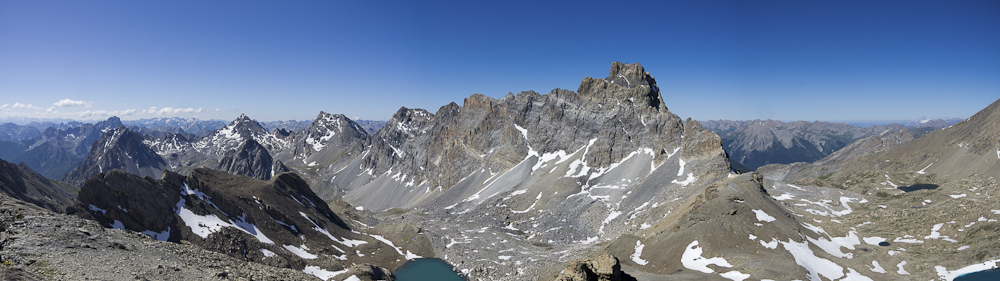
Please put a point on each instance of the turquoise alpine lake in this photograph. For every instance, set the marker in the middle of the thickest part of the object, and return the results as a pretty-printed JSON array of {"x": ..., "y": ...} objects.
[
  {"x": 990, "y": 274},
  {"x": 430, "y": 269}
]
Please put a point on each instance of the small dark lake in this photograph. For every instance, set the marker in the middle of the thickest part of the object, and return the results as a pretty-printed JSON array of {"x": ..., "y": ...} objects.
[
  {"x": 916, "y": 187},
  {"x": 427, "y": 270},
  {"x": 985, "y": 275}
]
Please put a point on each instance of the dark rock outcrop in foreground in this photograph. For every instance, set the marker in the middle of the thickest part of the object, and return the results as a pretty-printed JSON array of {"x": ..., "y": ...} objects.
[
  {"x": 280, "y": 222},
  {"x": 19, "y": 181},
  {"x": 602, "y": 268}
]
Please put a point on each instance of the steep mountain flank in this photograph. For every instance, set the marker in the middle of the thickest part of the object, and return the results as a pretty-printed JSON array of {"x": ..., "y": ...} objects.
[
  {"x": 279, "y": 222},
  {"x": 250, "y": 159},
  {"x": 19, "y": 181},
  {"x": 756, "y": 143},
  {"x": 119, "y": 148},
  {"x": 929, "y": 203}
]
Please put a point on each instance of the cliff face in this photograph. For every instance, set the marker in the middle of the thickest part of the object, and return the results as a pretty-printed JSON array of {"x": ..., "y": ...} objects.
[
  {"x": 249, "y": 159},
  {"x": 611, "y": 118}
]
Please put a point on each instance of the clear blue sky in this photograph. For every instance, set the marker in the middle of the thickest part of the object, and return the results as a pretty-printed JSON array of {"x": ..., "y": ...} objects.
[{"x": 280, "y": 60}]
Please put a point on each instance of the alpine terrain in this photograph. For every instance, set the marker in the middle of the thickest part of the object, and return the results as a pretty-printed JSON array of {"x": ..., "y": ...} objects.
[{"x": 600, "y": 183}]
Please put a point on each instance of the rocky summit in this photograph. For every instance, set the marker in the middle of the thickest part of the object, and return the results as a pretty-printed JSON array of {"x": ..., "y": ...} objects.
[
  {"x": 119, "y": 148},
  {"x": 601, "y": 183}
]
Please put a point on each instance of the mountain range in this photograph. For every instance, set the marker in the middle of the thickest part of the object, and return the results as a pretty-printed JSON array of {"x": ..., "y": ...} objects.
[
  {"x": 601, "y": 183},
  {"x": 756, "y": 143}
]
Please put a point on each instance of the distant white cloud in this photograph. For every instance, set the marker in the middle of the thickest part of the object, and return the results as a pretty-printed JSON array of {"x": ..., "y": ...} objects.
[
  {"x": 69, "y": 102},
  {"x": 218, "y": 109},
  {"x": 106, "y": 113},
  {"x": 170, "y": 110},
  {"x": 4, "y": 106},
  {"x": 24, "y": 106}
]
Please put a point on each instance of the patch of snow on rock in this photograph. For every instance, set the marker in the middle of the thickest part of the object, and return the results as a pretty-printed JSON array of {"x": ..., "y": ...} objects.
[
  {"x": 901, "y": 270},
  {"x": 763, "y": 216},
  {"x": 300, "y": 251},
  {"x": 322, "y": 273},
  {"x": 636, "y": 257},
  {"x": 735, "y": 275},
  {"x": 815, "y": 265},
  {"x": 877, "y": 268},
  {"x": 693, "y": 260}
]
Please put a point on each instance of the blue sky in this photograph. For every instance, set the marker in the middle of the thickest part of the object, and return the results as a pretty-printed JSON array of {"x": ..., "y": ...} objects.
[{"x": 784, "y": 60}]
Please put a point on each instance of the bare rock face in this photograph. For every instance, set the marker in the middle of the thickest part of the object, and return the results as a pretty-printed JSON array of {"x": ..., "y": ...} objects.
[
  {"x": 620, "y": 115},
  {"x": 625, "y": 82},
  {"x": 602, "y": 268},
  {"x": 119, "y": 148},
  {"x": 250, "y": 159}
]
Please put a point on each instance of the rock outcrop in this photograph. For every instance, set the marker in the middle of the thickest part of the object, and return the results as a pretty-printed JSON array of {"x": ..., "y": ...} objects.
[{"x": 602, "y": 268}]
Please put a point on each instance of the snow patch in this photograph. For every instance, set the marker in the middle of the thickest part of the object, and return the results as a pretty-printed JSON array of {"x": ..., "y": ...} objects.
[
  {"x": 636, "y": 257},
  {"x": 735, "y": 275},
  {"x": 693, "y": 260},
  {"x": 925, "y": 168},
  {"x": 901, "y": 270},
  {"x": 408, "y": 255},
  {"x": 877, "y": 268},
  {"x": 301, "y": 251},
  {"x": 322, "y": 273},
  {"x": 690, "y": 179},
  {"x": 783, "y": 196},
  {"x": 267, "y": 253},
  {"x": 815, "y": 265},
  {"x": 763, "y": 216}
]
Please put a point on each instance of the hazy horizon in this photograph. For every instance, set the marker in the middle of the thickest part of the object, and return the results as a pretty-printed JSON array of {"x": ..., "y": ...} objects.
[{"x": 730, "y": 60}]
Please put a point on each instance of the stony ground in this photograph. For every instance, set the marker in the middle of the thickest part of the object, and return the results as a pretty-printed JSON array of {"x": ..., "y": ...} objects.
[{"x": 39, "y": 244}]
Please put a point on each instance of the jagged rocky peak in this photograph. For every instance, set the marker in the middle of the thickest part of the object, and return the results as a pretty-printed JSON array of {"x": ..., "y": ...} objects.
[
  {"x": 245, "y": 127},
  {"x": 120, "y": 148},
  {"x": 332, "y": 124},
  {"x": 626, "y": 83},
  {"x": 250, "y": 159},
  {"x": 406, "y": 115}
]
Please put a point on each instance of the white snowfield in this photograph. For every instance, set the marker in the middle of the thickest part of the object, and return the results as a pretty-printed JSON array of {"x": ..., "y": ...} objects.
[
  {"x": 637, "y": 256},
  {"x": 763, "y": 216}
]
